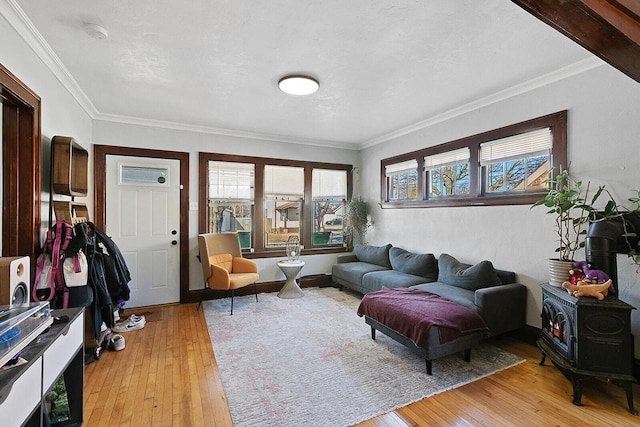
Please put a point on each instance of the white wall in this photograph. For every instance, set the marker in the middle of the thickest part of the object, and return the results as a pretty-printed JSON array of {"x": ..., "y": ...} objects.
[
  {"x": 603, "y": 145},
  {"x": 604, "y": 128},
  {"x": 129, "y": 135},
  {"x": 61, "y": 113}
]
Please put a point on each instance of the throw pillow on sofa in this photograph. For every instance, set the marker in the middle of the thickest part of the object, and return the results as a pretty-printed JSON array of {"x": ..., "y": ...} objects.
[
  {"x": 417, "y": 264},
  {"x": 455, "y": 273},
  {"x": 378, "y": 255}
]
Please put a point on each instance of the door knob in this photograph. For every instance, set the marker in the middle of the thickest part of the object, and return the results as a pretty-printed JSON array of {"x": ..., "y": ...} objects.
[{"x": 174, "y": 242}]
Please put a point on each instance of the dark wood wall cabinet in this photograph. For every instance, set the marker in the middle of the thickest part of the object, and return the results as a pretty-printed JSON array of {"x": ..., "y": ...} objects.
[
  {"x": 69, "y": 177},
  {"x": 70, "y": 167},
  {"x": 587, "y": 338}
]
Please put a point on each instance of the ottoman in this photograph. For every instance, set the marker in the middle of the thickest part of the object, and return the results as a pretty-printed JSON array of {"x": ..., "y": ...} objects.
[{"x": 426, "y": 323}]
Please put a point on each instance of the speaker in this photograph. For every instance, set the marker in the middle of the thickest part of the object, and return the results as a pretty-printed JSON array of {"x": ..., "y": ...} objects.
[{"x": 15, "y": 281}]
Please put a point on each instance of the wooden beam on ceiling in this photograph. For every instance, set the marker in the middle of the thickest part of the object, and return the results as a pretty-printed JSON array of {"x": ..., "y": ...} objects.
[{"x": 610, "y": 29}]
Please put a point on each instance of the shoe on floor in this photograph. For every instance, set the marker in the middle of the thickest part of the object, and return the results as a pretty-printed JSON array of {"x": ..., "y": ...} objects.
[
  {"x": 116, "y": 342},
  {"x": 132, "y": 323},
  {"x": 136, "y": 318}
]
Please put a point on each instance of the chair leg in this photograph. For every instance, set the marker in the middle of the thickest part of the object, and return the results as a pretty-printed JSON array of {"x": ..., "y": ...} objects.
[
  {"x": 232, "y": 302},
  {"x": 255, "y": 289},
  {"x": 204, "y": 290}
]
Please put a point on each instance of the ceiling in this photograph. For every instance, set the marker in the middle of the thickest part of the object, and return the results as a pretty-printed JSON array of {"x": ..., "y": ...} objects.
[{"x": 213, "y": 66}]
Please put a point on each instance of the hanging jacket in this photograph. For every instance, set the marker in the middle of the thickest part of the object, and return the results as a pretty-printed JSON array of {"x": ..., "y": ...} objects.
[{"x": 121, "y": 273}]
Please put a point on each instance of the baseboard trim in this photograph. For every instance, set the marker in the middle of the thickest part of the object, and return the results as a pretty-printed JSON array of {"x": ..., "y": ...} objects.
[{"x": 310, "y": 281}]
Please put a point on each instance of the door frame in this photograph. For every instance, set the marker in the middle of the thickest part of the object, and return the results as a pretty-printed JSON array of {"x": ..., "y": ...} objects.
[
  {"x": 100, "y": 153},
  {"x": 21, "y": 145}
]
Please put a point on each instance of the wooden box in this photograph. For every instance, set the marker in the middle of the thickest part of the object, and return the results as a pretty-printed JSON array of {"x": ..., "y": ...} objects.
[{"x": 70, "y": 167}]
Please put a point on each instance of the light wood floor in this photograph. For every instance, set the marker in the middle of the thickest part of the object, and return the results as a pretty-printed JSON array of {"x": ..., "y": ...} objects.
[{"x": 167, "y": 376}]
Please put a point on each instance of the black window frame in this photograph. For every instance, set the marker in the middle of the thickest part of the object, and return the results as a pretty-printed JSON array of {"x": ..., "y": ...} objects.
[{"x": 557, "y": 122}]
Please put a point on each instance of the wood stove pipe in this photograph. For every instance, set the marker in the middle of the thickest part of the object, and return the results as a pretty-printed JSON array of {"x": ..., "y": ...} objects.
[{"x": 605, "y": 239}]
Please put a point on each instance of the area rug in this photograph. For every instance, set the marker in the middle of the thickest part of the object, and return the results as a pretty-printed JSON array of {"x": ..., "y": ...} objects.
[{"x": 311, "y": 362}]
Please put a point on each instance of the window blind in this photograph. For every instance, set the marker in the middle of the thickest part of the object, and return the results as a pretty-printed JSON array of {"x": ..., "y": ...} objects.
[
  {"x": 407, "y": 165},
  {"x": 460, "y": 155},
  {"x": 228, "y": 180},
  {"x": 528, "y": 144},
  {"x": 284, "y": 182},
  {"x": 329, "y": 184}
]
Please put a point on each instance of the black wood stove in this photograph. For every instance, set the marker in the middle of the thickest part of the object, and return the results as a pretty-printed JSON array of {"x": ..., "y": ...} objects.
[{"x": 587, "y": 338}]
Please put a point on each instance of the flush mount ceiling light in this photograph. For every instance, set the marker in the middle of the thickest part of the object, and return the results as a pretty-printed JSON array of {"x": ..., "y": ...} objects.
[
  {"x": 95, "y": 31},
  {"x": 298, "y": 85}
]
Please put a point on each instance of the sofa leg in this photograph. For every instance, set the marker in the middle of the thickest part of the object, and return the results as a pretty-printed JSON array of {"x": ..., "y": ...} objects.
[
  {"x": 428, "y": 366},
  {"x": 373, "y": 333},
  {"x": 467, "y": 355}
]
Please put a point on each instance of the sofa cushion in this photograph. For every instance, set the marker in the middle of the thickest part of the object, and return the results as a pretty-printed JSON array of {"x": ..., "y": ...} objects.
[
  {"x": 461, "y": 296},
  {"x": 378, "y": 280},
  {"x": 352, "y": 272},
  {"x": 454, "y": 273},
  {"x": 378, "y": 255},
  {"x": 411, "y": 263}
]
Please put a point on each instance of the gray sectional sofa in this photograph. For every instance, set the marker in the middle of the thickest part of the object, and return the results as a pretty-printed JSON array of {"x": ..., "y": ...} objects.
[{"x": 493, "y": 294}]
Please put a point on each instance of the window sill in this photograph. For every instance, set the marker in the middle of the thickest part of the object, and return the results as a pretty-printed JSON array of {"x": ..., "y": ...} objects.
[
  {"x": 281, "y": 253},
  {"x": 510, "y": 199}
]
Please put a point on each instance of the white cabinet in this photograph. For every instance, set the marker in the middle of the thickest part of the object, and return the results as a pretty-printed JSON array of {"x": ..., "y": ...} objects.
[
  {"x": 60, "y": 351},
  {"x": 21, "y": 397}
]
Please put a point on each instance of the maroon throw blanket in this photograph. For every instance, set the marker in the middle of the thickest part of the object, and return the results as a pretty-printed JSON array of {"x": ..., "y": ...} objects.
[{"x": 412, "y": 312}]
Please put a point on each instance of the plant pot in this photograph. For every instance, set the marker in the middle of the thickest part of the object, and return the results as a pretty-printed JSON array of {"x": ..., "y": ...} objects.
[{"x": 559, "y": 271}]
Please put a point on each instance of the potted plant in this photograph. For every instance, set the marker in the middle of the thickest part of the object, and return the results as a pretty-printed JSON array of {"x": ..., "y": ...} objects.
[
  {"x": 567, "y": 199},
  {"x": 356, "y": 220}
]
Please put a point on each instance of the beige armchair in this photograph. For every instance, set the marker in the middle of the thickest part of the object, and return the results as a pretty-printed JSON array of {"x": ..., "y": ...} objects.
[{"x": 223, "y": 266}]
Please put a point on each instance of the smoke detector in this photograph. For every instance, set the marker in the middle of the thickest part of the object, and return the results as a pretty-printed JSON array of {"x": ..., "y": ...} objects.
[{"x": 95, "y": 31}]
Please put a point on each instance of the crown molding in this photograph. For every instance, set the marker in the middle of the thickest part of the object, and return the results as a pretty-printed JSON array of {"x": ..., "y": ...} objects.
[
  {"x": 16, "y": 17},
  {"x": 535, "y": 83},
  {"x": 222, "y": 131}
]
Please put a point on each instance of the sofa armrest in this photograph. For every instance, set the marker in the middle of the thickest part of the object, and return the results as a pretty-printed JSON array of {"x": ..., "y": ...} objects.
[
  {"x": 503, "y": 307},
  {"x": 347, "y": 258}
]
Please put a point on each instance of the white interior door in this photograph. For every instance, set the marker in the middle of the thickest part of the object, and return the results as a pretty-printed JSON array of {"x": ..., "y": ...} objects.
[{"x": 142, "y": 204}]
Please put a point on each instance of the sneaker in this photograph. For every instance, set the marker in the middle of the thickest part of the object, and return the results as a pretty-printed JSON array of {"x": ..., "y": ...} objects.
[
  {"x": 116, "y": 342},
  {"x": 136, "y": 318},
  {"x": 131, "y": 324}
]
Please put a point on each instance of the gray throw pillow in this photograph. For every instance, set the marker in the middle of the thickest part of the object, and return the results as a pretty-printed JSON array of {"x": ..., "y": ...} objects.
[
  {"x": 418, "y": 264},
  {"x": 454, "y": 273},
  {"x": 378, "y": 255}
]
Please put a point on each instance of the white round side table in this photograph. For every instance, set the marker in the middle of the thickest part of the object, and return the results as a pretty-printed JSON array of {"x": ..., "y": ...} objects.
[{"x": 291, "y": 270}]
